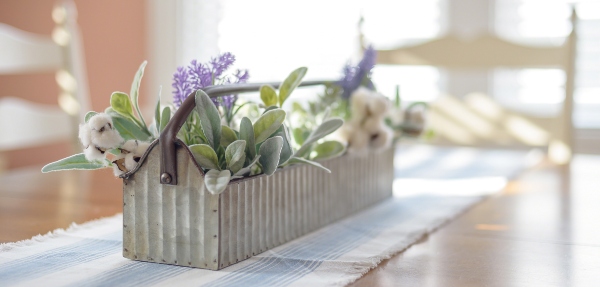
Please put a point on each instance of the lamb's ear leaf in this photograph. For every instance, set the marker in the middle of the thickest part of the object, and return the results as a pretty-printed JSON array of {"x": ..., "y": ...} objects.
[
  {"x": 129, "y": 130},
  {"x": 216, "y": 181},
  {"x": 121, "y": 103},
  {"x": 235, "y": 155},
  {"x": 295, "y": 160},
  {"x": 165, "y": 117},
  {"x": 321, "y": 131},
  {"x": 227, "y": 136},
  {"x": 267, "y": 124},
  {"x": 135, "y": 90},
  {"x": 157, "y": 115},
  {"x": 210, "y": 120},
  {"x": 328, "y": 149},
  {"x": 268, "y": 95},
  {"x": 290, "y": 83},
  {"x": 247, "y": 134},
  {"x": 248, "y": 168},
  {"x": 286, "y": 149},
  {"x": 205, "y": 156},
  {"x": 269, "y": 152},
  {"x": 89, "y": 115},
  {"x": 77, "y": 161}
]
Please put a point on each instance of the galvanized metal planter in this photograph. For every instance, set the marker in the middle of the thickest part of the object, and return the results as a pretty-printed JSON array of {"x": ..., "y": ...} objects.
[
  {"x": 170, "y": 217},
  {"x": 186, "y": 225}
]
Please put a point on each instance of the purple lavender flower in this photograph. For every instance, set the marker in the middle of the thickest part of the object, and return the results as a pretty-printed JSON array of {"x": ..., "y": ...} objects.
[
  {"x": 221, "y": 63},
  {"x": 182, "y": 86},
  {"x": 356, "y": 76},
  {"x": 197, "y": 75}
]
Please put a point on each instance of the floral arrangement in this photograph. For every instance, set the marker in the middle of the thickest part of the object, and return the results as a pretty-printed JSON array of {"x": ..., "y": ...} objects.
[{"x": 230, "y": 138}]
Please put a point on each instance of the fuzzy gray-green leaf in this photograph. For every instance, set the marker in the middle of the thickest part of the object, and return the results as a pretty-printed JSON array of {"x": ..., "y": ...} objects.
[
  {"x": 216, "y": 181},
  {"x": 121, "y": 103},
  {"x": 157, "y": 116},
  {"x": 286, "y": 149},
  {"x": 129, "y": 130},
  {"x": 247, "y": 134},
  {"x": 77, "y": 161},
  {"x": 321, "y": 131},
  {"x": 205, "y": 156},
  {"x": 306, "y": 161},
  {"x": 247, "y": 169},
  {"x": 267, "y": 124},
  {"x": 135, "y": 89},
  {"x": 269, "y": 152},
  {"x": 290, "y": 83},
  {"x": 164, "y": 118},
  {"x": 235, "y": 155},
  {"x": 210, "y": 120},
  {"x": 328, "y": 149},
  {"x": 268, "y": 95},
  {"x": 89, "y": 115},
  {"x": 227, "y": 136}
]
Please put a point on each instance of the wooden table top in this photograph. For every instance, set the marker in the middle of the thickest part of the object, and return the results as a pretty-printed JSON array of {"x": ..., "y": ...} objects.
[{"x": 542, "y": 230}]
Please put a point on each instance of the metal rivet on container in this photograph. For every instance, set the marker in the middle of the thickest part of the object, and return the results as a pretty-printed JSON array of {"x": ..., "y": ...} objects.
[{"x": 165, "y": 178}]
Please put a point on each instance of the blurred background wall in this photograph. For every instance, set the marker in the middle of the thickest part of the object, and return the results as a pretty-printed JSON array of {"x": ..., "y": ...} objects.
[{"x": 114, "y": 39}]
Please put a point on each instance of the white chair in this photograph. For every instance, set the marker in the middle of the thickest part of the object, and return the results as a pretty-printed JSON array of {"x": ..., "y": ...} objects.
[
  {"x": 492, "y": 123},
  {"x": 25, "y": 124}
]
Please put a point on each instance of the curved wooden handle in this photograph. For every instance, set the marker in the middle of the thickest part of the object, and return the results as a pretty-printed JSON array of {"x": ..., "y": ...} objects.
[{"x": 168, "y": 137}]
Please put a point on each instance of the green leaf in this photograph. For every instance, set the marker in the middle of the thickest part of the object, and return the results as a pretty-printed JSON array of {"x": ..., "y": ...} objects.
[
  {"x": 89, "y": 115},
  {"x": 129, "y": 130},
  {"x": 328, "y": 149},
  {"x": 157, "y": 115},
  {"x": 216, "y": 181},
  {"x": 300, "y": 135},
  {"x": 247, "y": 134},
  {"x": 298, "y": 108},
  {"x": 121, "y": 104},
  {"x": 290, "y": 83},
  {"x": 268, "y": 95},
  {"x": 321, "y": 131},
  {"x": 77, "y": 161},
  {"x": 269, "y": 154},
  {"x": 269, "y": 108},
  {"x": 210, "y": 120},
  {"x": 306, "y": 161},
  {"x": 135, "y": 90},
  {"x": 235, "y": 155},
  {"x": 111, "y": 112},
  {"x": 267, "y": 124},
  {"x": 205, "y": 156},
  {"x": 227, "y": 136},
  {"x": 165, "y": 117},
  {"x": 247, "y": 169},
  {"x": 286, "y": 149}
]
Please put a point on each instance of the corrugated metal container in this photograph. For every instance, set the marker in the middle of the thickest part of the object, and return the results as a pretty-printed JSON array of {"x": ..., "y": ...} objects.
[{"x": 186, "y": 225}]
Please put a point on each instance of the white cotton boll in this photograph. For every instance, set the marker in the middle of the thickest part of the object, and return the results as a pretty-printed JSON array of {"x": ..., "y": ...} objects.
[
  {"x": 141, "y": 149},
  {"x": 359, "y": 103},
  {"x": 344, "y": 133},
  {"x": 98, "y": 121},
  {"x": 382, "y": 139},
  {"x": 378, "y": 105},
  {"x": 372, "y": 124},
  {"x": 107, "y": 138},
  {"x": 130, "y": 146},
  {"x": 92, "y": 153},
  {"x": 359, "y": 142},
  {"x": 116, "y": 171},
  {"x": 131, "y": 161},
  {"x": 85, "y": 135}
]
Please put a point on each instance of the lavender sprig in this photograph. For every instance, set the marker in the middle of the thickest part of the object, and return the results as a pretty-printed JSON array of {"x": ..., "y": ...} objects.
[{"x": 356, "y": 76}]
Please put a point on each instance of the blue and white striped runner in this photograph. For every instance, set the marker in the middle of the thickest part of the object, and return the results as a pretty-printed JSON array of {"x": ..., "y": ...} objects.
[{"x": 90, "y": 254}]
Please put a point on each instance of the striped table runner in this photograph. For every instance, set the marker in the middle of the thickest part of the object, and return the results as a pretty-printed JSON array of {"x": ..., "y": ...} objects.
[{"x": 433, "y": 186}]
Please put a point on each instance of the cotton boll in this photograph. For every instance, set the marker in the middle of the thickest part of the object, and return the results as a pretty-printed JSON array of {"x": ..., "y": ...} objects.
[
  {"x": 131, "y": 161},
  {"x": 99, "y": 121},
  {"x": 129, "y": 146},
  {"x": 119, "y": 165},
  {"x": 141, "y": 149},
  {"x": 359, "y": 142},
  {"x": 103, "y": 133},
  {"x": 85, "y": 135},
  {"x": 378, "y": 105},
  {"x": 382, "y": 139},
  {"x": 372, "y": 124},
  {"x": 344, "y": 133},
  {"x": 359, "y": 104},
  {"x": 92, "y": 153}
]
